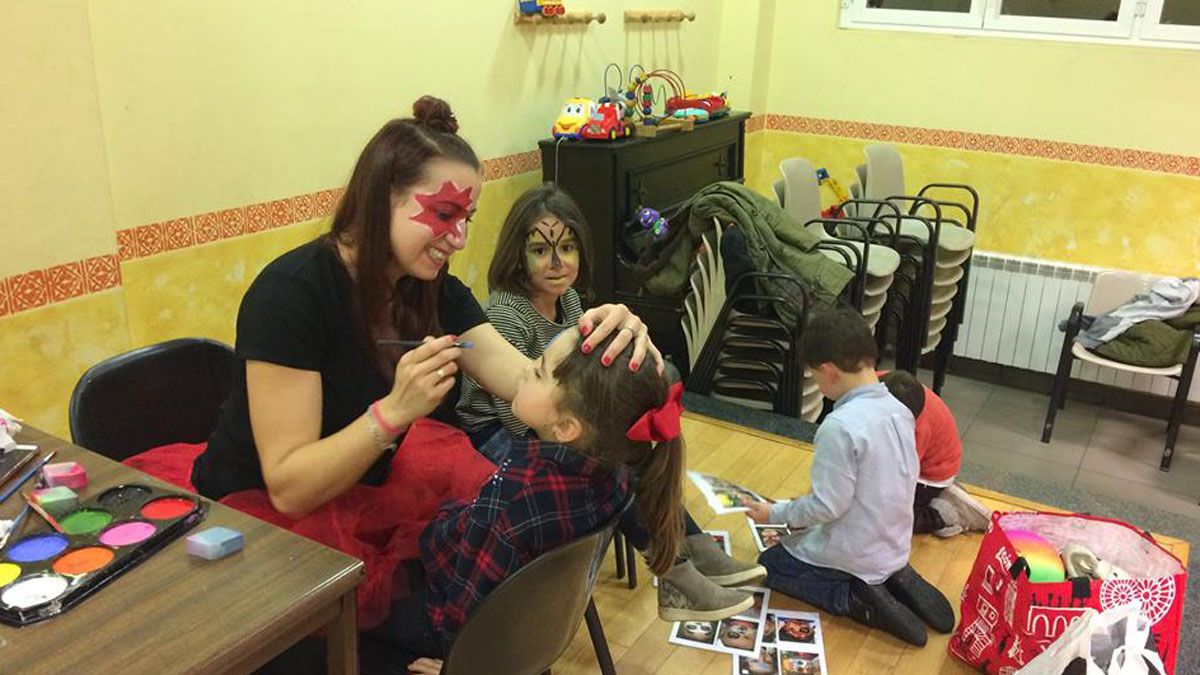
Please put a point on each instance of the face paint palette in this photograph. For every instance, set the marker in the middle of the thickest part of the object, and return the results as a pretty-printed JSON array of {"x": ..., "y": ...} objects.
[{"x": 44, "y": 573}]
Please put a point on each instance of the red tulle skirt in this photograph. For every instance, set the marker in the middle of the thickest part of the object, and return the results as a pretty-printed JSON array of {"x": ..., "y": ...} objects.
[{"x": 379, "y": 525}]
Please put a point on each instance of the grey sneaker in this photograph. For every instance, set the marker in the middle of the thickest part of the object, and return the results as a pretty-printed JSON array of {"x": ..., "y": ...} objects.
[
  {"x": 973, "y": 516},
  {"x": 712, "y": 562},
  {"x": 684, "y": 594},
  {"x": 949, "y": 516}
]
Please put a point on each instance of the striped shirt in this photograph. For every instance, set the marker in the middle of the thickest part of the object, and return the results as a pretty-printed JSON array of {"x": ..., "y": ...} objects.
[{"x": 530, "y": 332}]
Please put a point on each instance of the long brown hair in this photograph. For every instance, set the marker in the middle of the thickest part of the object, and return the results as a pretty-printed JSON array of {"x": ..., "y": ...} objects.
[
  {"x": 393, "y": 161},
  {"x": 607, "y": 401},
  {"x": 509, "y": 270}
]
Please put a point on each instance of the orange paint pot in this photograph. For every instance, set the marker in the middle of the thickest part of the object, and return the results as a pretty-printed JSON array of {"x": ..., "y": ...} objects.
[{"x": 83, "y": 560}]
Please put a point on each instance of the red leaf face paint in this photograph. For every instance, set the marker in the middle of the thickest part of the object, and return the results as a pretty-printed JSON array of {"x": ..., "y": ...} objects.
[{"x": 445, "y": 212}]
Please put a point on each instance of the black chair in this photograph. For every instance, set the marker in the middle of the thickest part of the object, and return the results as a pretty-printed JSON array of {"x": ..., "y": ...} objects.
[
  {"x": 526, "y": 624},
  {"x": 168, "y": 392},
  {"x": 1109, "y": 291}
]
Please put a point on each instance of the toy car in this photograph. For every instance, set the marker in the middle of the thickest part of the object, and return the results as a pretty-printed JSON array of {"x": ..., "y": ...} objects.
[
  {"x": 606, "y": 122},
  {"x": 575, "y": 112},
  {"x": 543, "y": 7},
  {"x": 695, "y": 114},
  {"x": 714, "y": 104}
]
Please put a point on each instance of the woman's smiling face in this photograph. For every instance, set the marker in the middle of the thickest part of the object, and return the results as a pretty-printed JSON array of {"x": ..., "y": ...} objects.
[{"x": 429, "y": 223}]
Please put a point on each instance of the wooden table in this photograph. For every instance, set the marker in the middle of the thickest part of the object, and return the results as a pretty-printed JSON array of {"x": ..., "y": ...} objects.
[{"x": 178, "y": 614}]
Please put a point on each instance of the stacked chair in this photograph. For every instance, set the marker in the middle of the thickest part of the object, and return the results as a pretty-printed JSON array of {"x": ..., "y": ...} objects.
[
  {"x": 860, "y": 243},
  {"x": 738, "y": 348},
  {"x": 799, "y": 194},
  {"x": 934, "y": 238},
  {"x": 739, "y": 351}
]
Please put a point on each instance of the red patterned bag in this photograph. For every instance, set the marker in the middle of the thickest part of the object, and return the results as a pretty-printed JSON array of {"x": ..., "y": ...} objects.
[{"x": 1006, "y": 619}]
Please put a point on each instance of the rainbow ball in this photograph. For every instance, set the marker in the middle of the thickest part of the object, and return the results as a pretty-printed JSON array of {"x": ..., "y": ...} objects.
[{"x": 1045, "y": 564}]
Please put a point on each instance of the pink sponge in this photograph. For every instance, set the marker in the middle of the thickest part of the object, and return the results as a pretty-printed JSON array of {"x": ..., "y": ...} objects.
[{"x": 66, "y": 474}]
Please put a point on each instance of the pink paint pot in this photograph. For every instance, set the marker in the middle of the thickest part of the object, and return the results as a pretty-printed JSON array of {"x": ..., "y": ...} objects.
[{"x": 127, "y": 533}]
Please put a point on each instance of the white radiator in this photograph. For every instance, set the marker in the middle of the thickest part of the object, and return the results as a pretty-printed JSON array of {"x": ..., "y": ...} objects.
[{"x": 1014, "y": 306}]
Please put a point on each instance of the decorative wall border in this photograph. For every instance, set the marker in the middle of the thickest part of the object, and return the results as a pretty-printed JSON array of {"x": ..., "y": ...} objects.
[
  {"x": 29, "y": 290},
  {"x": 1183, "y": 165},
  {"x": 37, "y": 288}
]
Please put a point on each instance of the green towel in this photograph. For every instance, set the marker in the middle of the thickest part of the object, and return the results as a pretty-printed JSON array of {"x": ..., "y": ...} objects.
[{"x": 1154, "y": 343}]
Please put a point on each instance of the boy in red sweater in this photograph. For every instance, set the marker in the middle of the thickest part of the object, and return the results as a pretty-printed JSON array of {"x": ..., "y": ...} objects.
[{"x": 939, "y": 506}]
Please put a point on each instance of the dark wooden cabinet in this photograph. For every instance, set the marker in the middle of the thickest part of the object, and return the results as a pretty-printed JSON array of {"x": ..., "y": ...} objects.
[{"x": 611, "y": 180}]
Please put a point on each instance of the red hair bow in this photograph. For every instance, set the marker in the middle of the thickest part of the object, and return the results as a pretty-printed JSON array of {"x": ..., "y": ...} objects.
[{"x": 660, "y": 424}]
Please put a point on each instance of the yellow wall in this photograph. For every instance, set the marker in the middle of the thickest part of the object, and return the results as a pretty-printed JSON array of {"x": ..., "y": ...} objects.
[
  {"x": 1127, "y": 97},
  {"x": 53, "y": 175},
  {"x": 122, "y": 113},
  {"x": 1123, "y": 97},
  {"x": 128, "y": 113}
]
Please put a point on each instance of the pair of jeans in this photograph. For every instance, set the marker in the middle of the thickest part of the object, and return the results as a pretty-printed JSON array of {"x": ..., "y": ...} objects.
[{"x": 823, "y": 587}]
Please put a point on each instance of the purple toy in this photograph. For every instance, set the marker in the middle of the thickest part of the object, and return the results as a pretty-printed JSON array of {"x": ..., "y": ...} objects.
[{"x": 652, "y": 220}]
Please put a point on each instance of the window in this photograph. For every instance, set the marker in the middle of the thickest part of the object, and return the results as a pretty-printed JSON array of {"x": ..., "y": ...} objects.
[
  {"x": 1151, "y": 22},
  {"x": 1172, "y": 20}
]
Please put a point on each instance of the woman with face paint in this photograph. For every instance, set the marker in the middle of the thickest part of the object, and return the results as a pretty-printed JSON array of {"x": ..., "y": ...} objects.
[{"x": 323, "y": 404}]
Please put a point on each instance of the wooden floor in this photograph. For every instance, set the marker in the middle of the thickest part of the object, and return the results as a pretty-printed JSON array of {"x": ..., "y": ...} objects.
[{"x": 775, "y": 467}]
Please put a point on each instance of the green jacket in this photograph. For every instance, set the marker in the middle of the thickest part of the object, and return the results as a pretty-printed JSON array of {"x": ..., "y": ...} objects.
[
  {"x": 777, "y": 243},
  {"x": 1154, "y": 343}
]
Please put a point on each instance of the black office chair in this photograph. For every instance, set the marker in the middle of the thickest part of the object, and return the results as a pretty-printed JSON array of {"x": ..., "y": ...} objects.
[
  {"x": 526, "y": 624},
  {"x": 164, "y": 393}
]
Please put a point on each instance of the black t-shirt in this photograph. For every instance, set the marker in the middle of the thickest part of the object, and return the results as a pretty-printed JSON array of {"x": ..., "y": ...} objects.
[{"x": 297, "y": 313}]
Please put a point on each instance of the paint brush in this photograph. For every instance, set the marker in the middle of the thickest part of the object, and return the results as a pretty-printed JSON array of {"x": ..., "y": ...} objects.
[
  {"x": 42, "y": 512},
  {"x": 8, "y": 492},
  {"x": 411, "y": 344},
  {"x": 16, "y": 524}
]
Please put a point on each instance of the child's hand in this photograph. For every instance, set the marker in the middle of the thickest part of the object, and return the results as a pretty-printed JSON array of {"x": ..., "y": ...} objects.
[
  {"x": 759, "y": 512},
  {"x": 426, "y": 666}
]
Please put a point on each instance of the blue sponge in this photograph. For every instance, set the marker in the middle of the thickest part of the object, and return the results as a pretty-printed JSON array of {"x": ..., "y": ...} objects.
[{"x": 215, "y": 542}]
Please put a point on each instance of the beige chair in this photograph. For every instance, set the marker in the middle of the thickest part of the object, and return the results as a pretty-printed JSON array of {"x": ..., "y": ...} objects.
[
  {"x": 1109, "y": 291},
  {"x": 935, "y": 240}
]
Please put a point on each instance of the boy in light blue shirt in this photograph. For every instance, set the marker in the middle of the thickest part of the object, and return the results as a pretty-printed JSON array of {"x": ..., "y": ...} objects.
[{"x": 852, "y": 556}]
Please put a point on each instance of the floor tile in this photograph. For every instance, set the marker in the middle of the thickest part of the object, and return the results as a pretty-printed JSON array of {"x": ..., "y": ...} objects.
[
  {"x": 1005, "y": 424},
  {"x": 1003, "y": 459},
  {"x": 1103, "y": 485},
  {"x": 1137, "y": 458}
]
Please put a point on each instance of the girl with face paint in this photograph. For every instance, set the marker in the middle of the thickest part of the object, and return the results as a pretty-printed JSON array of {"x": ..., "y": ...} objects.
[
  {"x": 542, "y": 262},
  {"x": 541, "y": 265}
]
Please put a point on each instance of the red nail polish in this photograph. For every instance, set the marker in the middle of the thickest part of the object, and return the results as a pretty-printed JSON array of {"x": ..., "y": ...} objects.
[
  {"x": 606, "y": 361},
  {"x": 633, "y": 366},
  {"x": 585, "y": 330},
  {"x": 587, "y": 349}
]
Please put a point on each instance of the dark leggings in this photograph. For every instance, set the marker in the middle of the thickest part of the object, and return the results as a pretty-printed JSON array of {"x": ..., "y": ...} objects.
[
  {"x": 925, "y": 518},
  {"x": 407, "y": 628},
  {"x": 639, "y": 536}
]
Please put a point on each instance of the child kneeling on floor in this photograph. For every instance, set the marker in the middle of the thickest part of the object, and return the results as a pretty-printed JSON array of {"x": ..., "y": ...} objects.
[
  {"x": 939, "y": 506},
  {"x": 852, "y": 557},
  {"x": 596, "y": 429}
]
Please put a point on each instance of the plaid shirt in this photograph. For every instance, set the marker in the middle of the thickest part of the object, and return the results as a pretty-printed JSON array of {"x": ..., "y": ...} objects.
[{"x": 543, "y": 496}]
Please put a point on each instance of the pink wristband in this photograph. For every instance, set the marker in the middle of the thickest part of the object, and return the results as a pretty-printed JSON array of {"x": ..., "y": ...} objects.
[{"x": 387, "y": 428}]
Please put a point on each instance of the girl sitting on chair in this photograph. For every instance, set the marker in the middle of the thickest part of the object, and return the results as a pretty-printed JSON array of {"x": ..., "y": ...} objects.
[{"x": 596, "y": 429}]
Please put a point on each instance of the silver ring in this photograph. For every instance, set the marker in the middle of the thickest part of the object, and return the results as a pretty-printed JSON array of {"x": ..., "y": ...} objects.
[{"x": 441, "y": 373}]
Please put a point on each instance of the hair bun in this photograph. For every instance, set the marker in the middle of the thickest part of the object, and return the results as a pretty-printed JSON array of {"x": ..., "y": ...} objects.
[{"x": 434, "y": 113}]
